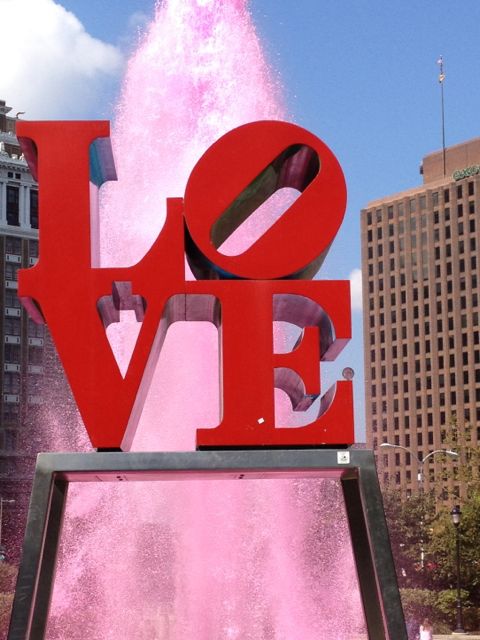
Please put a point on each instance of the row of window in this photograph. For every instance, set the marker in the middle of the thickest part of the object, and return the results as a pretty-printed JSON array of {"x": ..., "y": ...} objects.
[
  {"x": 400, "y": 267},
  {"x": 13, "y": 245},
  {"x": 401, "y": 333},
  {"x": 399, "y": 229},
  {"x": 13, "y": 326},
  {"x": 463, "y": 303},
  {"x": 452, "y": 358},
  {"x": 422, "y": 202},
  {"x": 447, "y": 249},
  {"x": 420, "y": 401},
  {"x": 425, "y": 383},
  {"x": 13, "y": 207},
  {"x": 426, "y": 400},
  {"x": 447, "y": 283},
  {"x": 12, "y": 382},
  {"x": 442, "y": 306},
  {"x": 13, "y": 354},
  {"x": 443, "y": 419}
]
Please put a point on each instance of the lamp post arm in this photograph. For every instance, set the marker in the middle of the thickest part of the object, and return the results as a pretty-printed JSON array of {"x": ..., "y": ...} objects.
[
  {"x": 396, "y": 446},
  {"x": 447, "y": 452}
]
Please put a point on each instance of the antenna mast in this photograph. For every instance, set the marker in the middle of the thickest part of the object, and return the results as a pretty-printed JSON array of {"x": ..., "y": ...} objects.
[{"x": 441, "y": 79}]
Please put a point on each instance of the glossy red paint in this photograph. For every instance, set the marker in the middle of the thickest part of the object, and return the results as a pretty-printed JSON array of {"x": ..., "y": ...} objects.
[{"x": 243, "y": 295}]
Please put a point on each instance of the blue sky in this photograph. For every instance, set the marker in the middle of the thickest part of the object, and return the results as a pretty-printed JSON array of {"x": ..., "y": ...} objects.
[{"x": 361, "y": 75}]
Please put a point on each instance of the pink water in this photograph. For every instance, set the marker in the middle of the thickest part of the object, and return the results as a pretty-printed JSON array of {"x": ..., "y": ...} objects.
[{"x": 206, "y": 560}]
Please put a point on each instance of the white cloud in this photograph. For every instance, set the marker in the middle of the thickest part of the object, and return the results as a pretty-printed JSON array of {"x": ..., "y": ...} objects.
[
  {"x": 50, "y": 66},
  {"x": 356, "y": 289}
]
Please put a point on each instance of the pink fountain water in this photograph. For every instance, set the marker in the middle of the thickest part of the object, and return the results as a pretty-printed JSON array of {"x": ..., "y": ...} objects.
[{"x": 209, "y": 560}]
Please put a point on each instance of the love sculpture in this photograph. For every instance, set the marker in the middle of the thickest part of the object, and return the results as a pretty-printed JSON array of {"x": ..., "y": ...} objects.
[{"x": 242, "y": 295}]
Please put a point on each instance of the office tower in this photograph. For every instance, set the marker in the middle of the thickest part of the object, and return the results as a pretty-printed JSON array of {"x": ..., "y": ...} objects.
[{"x": 421, "y": 330}]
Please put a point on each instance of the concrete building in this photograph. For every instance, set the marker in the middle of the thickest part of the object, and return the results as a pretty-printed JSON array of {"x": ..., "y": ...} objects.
[
  {"x": 22, "y": 341},
  {"x": 420, "y": 263}
]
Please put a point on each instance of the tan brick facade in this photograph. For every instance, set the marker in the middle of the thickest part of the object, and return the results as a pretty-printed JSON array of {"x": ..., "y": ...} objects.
[{"x": 420, "y": 265}]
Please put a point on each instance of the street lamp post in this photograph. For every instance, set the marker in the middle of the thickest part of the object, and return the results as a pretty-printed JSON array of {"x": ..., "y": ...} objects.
[
  {"x": 420, "y": 478},
  {"x": 456, "y": 517},
  {"x": 421, "y": 463},
  {"x": 2, "y": 502}
]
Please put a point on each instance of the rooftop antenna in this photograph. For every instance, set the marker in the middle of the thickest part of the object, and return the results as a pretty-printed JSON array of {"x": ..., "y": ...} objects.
[{"x": 441, "y": 80}]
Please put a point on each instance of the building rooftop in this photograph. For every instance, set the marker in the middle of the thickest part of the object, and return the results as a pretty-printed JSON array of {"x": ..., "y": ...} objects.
[{"x": 461, "y": 160}]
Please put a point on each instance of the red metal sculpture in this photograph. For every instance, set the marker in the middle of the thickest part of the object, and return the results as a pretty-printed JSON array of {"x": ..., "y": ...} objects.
[{"x": 243, "y": 294}]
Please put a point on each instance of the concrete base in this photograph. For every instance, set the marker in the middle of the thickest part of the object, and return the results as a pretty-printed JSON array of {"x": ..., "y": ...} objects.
[{"x": 354, "y": 469}]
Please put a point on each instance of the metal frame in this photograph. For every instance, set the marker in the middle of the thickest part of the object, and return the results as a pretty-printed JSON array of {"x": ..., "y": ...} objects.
[{"x": 355, "y": 469}]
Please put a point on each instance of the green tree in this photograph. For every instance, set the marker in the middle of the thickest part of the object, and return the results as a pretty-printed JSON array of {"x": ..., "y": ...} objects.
[
  {"x": 8, "y": 575},
  {"x": 442, "y": 549},
  {"x": 410, "y": 528},
  {"x": 457, "y": 436}
]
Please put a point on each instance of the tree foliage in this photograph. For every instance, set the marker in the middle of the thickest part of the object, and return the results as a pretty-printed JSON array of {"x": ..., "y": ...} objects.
[
  {"x": 465, "y": 471},
  {"x": 410, "y": 526},
  {"x": 8, "y": 575},
  {"x": 430, "y": 587},
  {"x": 442, "y": 549}
]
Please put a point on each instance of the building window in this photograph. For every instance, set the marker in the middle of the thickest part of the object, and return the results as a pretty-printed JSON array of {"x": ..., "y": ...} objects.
[
  {"x": 11, "y": 413},
  {"x": 11, "y": 299},
  {"x": 34, "y": 384},
  {"x": 33, "y": 248},
  {"x": 12, "y": 353},
  {"x": 11, "y": 382},
  {"x": 12, "y": 326},
  {"x": 459, "y": 191},
  {"x": 34, "y": 209},
  {"x": 35, "y": 330},
  {"x": 13, "y": 245},
  {"x": 10, "y": 438},
  {"x": 11, "y": 271},
  {"x": 471, "y": 189},
  {"x": 13, "y": 208},
  {"x": 35, "y": 355}
]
